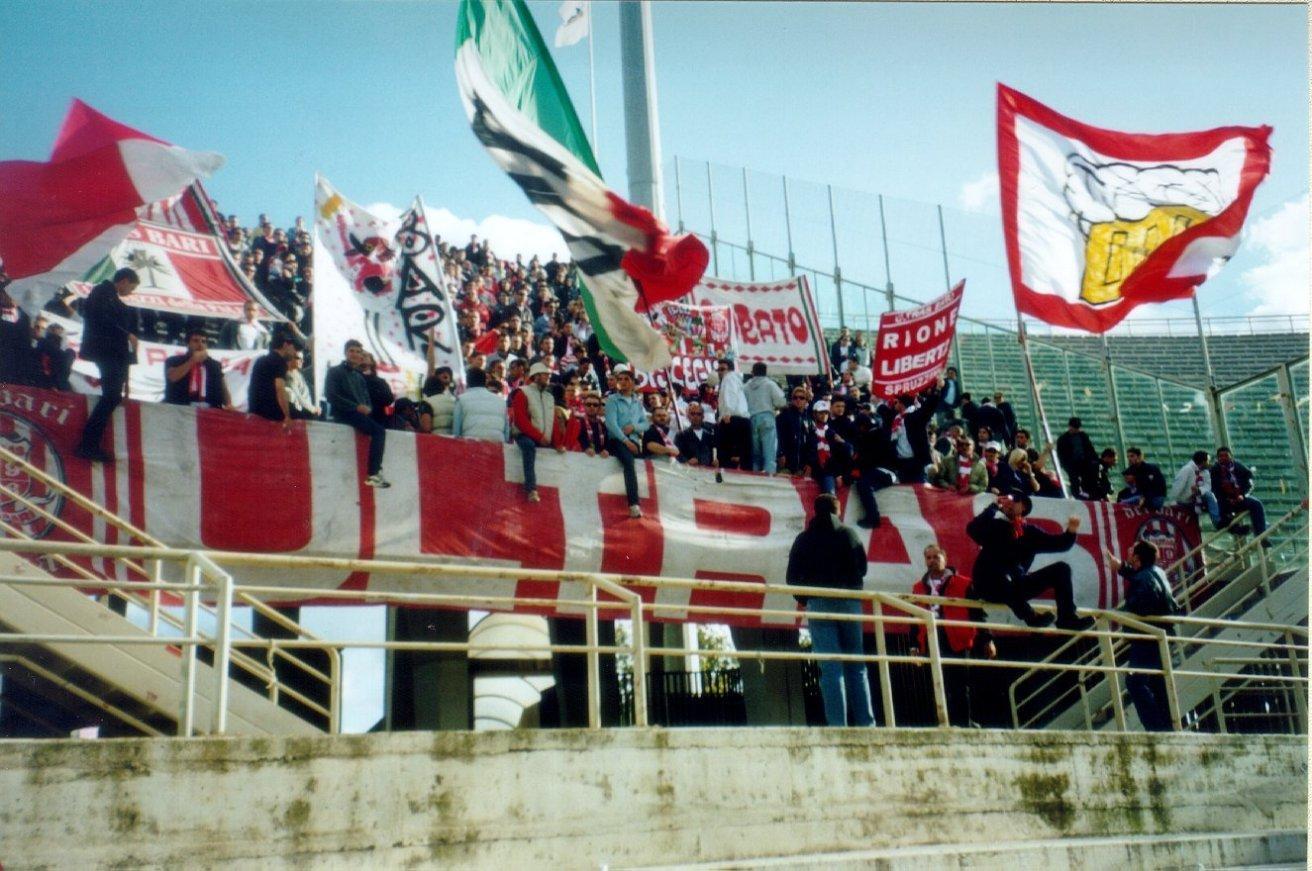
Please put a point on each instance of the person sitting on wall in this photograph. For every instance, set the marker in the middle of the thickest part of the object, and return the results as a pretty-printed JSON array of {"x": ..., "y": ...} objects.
[
  {"x": 195, "y": 378},
  {"x": 1008, "y": 546}
]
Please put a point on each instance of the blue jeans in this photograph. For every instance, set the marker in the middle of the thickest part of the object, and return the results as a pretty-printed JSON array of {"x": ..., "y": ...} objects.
[
  {"x": 528, "y": 449},
  {"x": 765, "y": 443},
  {"x": 843, "y": 685},
  {"x": 828, "y": 483},
  {"x": 1154, "y": 502},
  {"x": 1213, "y": 508},
  {"x": 1256, "y": 513}
]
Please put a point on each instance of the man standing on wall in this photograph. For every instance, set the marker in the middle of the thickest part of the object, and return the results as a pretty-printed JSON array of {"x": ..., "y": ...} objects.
[{"x": 108, "y": 341}]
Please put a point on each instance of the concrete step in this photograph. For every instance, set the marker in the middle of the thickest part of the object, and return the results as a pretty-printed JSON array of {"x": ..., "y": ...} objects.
[{"x": 1282, "y": 848}]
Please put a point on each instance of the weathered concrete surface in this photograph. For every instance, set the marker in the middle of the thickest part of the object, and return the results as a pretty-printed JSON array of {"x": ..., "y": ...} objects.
[{"x": 566, "y": 799}]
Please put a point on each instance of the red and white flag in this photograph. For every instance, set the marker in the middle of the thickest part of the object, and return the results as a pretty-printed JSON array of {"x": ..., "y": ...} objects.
[
  {"x": 1098, "y": 222},
  {"x": 59, "y": 218},
  {"x": 912, "y": 347}
]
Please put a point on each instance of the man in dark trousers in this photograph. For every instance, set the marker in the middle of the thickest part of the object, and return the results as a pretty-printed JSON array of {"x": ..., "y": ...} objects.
[
  {"x": 1232, "y": 482},
  {"x": 1147, "y": 594},
  {"x": 345, "y": 389},
  {"x": 1008, "y": 546},
  {"x": 266, "y": 394},
  {"x": 195, "y": 378},
  {"x": 16, "y": 361},
  {"x": 1149, "y": 478},
  {"x": 792, "y": 424},
  {"x": 829, "y": 554},
  {"x": 109, "y": 341},
  {"x": 1077, "y": 457},
  {"x": 909, "y": 435}
]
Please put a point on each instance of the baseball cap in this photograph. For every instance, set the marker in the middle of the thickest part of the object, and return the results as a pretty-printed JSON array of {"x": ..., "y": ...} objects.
[
  {"x": 622, "y": 369},
  {"x": 992, "y": 446},
  {"x": 821, "y": 405}
]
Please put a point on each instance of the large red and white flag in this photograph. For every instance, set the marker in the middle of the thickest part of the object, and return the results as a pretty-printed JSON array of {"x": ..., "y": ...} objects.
[
  {"x": 1098, "y": 222},
  {"x": 60, "y": 217},
  {"x": 912, "y": 347}
]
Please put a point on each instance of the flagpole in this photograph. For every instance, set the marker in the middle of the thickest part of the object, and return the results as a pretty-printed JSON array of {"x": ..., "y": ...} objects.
[
  {"x": 592, "y": 89},
  {"x": 1038, "y": 400}
]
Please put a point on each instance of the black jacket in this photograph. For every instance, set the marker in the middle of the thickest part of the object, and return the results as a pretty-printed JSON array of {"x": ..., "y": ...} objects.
[
  {"x": 16, "y": 358},
  {"x": 1075, "y": 453},
  {"x": 988, "y": 415},
  {"x": 917, "y": 423},
  {"x": 54, "y": 363},
  {"x": 1243, "y": 478},
  {"x": 791, "y": 426},
  {"x": 692, "y": 448},
  {"x": 1150, "y": 480},
  {"x": 827, "y": 554},
  {"x": 1003, "y": 556},
  {"x": 107, "y": 323},
  {"x": 178, "y": 392}
]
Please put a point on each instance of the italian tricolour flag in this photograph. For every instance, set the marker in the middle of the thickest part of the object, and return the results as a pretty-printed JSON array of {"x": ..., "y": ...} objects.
[{"x": 520, "y": 111}]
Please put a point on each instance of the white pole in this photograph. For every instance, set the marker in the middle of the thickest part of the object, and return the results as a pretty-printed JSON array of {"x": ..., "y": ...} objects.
[{"x": 592, "y": 89}]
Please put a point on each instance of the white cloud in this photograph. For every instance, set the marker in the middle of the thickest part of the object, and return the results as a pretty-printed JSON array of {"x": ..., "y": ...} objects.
[
  {"x": 981, "y": 194},
  {"x": 509, "y": 236},
  {"x": 1279, "y": 284}
]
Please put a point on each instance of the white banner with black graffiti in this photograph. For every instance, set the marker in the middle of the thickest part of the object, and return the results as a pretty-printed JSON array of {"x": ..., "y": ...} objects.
[{"x": 379, "y": 280}]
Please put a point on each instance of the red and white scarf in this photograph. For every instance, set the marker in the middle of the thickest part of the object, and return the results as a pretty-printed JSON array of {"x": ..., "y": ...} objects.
[
  {"x": 822, "y": 448},
  {"x": 196, "y": 383}
]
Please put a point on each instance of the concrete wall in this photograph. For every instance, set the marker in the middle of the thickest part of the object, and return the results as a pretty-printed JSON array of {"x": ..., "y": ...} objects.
[{"x": 565, "y": 799}]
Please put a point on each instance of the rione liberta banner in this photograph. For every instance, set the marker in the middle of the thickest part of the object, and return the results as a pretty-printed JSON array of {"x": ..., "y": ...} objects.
[{"x": 227, "y": 481}]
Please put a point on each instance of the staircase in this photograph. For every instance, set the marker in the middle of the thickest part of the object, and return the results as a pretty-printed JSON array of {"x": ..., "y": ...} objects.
[
  {"x": 1262, "y": 582},
  {"x": 135, "y": 679}
]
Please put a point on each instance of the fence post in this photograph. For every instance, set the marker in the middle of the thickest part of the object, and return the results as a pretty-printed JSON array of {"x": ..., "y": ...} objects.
[
  {"x": 1296, "y": 689},
  {"x": 156, "y": 577},
  {"x": 747, "y": 213},
  {"x": 710, "y": 201},
  {"x": 788, "y": 229},
  {"x": 594, "y": 661},
  {"x": 888, "y": 272},
  {"x": 936, "y": 671},
  {"x": 222, "y": 651},
  {"x": 1288, "y": 405},
  {"x": 1217, "y": 706},
  {"x": 638, "y": 642},
  {"x": 1168, "y": 677},
  {"x": 1110, "y": 371},
  {"x": 1112, "y": 677},
  {"x": 838, "y": 272},
  {"x": 881, "y": 647},
  {"x": 678, "y": 193},
  {"x": 190, "y": 623}
]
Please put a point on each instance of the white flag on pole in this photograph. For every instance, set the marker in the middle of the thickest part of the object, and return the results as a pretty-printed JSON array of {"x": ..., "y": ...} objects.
[{"x": 576, "y": 17}]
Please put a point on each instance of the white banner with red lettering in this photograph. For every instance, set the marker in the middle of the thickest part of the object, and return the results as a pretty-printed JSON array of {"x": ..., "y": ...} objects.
[
  {"x": 146, "y": 378},
  {"x": 204, "y": 478},
  {"x": 774, "y": 323},
  {"x": 913, "y": 345}
]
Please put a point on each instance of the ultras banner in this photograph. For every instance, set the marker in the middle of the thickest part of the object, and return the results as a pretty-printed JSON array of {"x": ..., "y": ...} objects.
[
  {"x": 201, "y": 478},
  {"x": 912, "y": 348}
]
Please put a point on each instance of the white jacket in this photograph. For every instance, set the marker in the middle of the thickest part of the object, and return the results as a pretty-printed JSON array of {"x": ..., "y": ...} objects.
[
  {"x": 1182, "y": 488},
  {"x": 733, "y": 401},
  {"x": 480, "y": 414}
]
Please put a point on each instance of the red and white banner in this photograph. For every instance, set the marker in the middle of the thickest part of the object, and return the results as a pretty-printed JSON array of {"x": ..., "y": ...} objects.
[
  {"x": 146, "y": 378},
  {"x": 181, "y": 271},
  {"x": 1098, "y": 222},
  {"x": 774, "y": 323},
  {"x": 226, "y": 481},
  {"x": 60, "y": 218},
  {"x": 913, "y": 345},
  {"x": 697, "y": 336}
]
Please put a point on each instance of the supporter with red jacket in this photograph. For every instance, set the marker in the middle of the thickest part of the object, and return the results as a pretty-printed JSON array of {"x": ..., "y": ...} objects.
[
  {"x": 963, "y": 642},
  {"x": 534, "y": 423}
]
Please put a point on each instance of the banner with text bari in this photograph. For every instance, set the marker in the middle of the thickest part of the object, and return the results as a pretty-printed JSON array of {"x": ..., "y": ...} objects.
[
  {"x": 775, "y": 323},
  {"x": 146, "y": 378},
  {"x": 460, "y": 501},
  {"x": 380, "y": 281},
  {"x": 912, "y": 348}
]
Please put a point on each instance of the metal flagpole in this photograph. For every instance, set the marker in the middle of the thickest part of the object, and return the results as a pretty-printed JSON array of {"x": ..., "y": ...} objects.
[
  {"x": 1038, "y": 400},
  {"x": 947, "y": 280},
  {"x": 592, "y": 88}
]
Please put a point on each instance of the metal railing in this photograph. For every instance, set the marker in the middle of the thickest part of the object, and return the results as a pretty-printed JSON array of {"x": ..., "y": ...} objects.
[
  {"x": 1248, "y": 570},
  {"x": 610, "y": 597},
  {"x": 154, "y": 588}
]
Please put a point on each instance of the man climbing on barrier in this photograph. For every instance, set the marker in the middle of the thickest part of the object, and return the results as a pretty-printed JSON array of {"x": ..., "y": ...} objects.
[{"x": 1008, "y": 546}]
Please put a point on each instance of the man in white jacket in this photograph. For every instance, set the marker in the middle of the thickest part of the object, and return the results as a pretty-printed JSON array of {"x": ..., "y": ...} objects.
[
  {"x": 764, "y": 398},
  {"x": 735, "y": 428},
  {"x": 1193, "y": 487},
  {"x": 480, "y": 413}
]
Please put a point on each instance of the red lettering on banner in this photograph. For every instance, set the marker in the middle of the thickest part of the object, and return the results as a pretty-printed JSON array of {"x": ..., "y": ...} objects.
[
  {"x": 798, "y": 325},
  {"x": 912, "y": 347},
  {"x": 765, "y": 325},
  {"x": 253, "y": 490},
  {"x": 728, "y": 517},
  {"x": 742, "y": 318}
]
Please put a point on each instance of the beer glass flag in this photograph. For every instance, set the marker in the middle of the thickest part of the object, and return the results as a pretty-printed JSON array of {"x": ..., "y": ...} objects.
[
  {"x": 519, "y": 109},
  {"x": 1098, "y": 222}
]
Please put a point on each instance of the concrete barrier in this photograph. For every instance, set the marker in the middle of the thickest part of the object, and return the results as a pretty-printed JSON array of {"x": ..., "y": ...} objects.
[{"x": 574, "y": 799}]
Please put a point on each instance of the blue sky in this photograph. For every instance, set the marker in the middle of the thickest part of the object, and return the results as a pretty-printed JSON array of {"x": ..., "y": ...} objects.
[{"x": 890, "y": 98}]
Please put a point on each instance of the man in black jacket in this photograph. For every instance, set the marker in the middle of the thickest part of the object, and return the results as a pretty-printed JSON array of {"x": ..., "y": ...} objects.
[
  {"x": 909, "y": 435},
  {"x": 109, "y": 341},
  {"x": 1149, "y": 478},
  {"x": 875, "y": 463},
  {"x": 829, "y": 554},
  {"x": 195, "y": 378},
  {"x": 348, "y": 397},
  {"x": 1008, "y": 546},
  {"x": 696, "y": 441},
  {"x": 54, "y": 362},
  {"x": 1232, "y": 482},
  {"x": 16, "y": 361},
  {"x": 791, "y": 425},
  {"x": 1076, "y": 455}
]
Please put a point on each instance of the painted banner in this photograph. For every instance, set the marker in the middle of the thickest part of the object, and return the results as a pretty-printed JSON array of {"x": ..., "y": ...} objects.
[
  {"x": 201, "y": 478},
  {"x": 1098, "y": 222},
  {"x": 146, "y": 378},
  {"x": 380, "y": 282},
  {"x": 913, "y": 345},
  {"x": 697, "y": 336},
  {"x": 774, "y": 323},
  {"x": 181, "y": 271}
]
